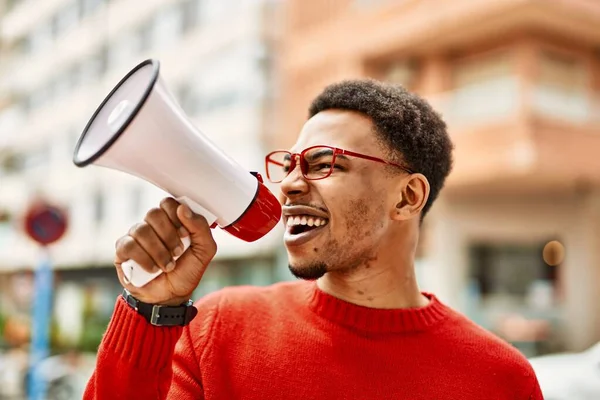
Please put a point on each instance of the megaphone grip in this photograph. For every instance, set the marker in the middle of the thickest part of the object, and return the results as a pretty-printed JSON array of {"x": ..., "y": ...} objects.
[{"x": 138, "y": 276}]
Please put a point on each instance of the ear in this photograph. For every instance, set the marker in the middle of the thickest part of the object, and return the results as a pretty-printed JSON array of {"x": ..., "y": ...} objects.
[{"x": 413, "y": 196}]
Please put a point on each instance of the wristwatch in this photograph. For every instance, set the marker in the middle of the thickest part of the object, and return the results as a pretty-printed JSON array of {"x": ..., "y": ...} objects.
[{"x": 159, "y": 315}]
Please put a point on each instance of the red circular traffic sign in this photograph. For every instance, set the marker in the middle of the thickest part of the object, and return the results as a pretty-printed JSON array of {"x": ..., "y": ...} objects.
[{"x": 45, "y": 223}]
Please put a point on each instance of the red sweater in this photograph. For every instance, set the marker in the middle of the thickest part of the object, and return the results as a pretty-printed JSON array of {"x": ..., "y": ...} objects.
[{"x": 293, "y": 341}]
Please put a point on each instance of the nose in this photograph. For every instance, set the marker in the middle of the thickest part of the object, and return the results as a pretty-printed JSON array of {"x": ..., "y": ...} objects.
[{"x": 294, "y": 184}]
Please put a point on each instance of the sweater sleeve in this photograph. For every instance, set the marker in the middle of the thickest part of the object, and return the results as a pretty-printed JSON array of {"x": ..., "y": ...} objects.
[
  {"x": 536, "y": 394},
  {"x": 137, "y": 360}
]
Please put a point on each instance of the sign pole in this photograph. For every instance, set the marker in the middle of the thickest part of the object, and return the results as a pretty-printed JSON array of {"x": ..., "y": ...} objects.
[
  {"x": 45, "y": 224},
  {"x": 40, "y": 325}
]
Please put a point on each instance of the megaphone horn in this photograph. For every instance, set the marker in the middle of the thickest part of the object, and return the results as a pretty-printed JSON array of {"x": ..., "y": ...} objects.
[{"x": 140, "y": 129}]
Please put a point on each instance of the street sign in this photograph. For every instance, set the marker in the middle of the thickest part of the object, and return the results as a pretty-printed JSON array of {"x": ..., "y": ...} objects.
[{"x": 45, "y": 223}]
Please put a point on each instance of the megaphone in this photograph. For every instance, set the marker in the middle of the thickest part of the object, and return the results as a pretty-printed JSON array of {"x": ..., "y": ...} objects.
[{"x": 140, "y": 129}]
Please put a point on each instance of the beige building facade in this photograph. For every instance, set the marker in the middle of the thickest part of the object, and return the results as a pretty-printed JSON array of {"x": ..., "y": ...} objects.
[{"x": 518, "y": 82}]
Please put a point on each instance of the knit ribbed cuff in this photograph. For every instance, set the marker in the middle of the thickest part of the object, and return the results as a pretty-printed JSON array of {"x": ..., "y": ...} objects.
[{"x": 131, "y": 339}]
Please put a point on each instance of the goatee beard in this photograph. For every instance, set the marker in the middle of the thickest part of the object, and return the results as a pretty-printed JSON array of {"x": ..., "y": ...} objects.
[{"x": 309, "y": 272}]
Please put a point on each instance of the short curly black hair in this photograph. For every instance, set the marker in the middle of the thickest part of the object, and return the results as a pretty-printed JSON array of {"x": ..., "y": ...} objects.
[{"x": 406, "y": 124}]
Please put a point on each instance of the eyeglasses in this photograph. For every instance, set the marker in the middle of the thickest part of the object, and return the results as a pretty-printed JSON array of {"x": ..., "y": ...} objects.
[{"x": 316, "y": 162}]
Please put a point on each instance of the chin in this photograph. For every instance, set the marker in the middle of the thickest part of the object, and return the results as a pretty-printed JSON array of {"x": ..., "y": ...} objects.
[{"x": 309, "y": 270}]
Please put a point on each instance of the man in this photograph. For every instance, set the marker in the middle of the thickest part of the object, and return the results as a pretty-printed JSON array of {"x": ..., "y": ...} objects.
[{"x": 366, "y": 168}]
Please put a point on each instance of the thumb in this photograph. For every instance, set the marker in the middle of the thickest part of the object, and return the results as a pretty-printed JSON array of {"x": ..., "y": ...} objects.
[
  {"x": 196, "y": 224},
  {"x": 202, "y": 244}
]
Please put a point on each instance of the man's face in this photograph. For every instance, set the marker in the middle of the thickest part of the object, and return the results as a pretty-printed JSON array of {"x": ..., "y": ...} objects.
[{"x": 348, "y": 212}]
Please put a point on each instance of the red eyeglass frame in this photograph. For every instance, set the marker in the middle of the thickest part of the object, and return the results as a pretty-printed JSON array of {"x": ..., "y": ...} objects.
[{"x": 335, "y": 150}]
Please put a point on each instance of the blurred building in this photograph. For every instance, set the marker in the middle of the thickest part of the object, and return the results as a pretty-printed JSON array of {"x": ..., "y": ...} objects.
[
  {"x": 518, "y": 82},
  {"x": 58, "y": 60}
]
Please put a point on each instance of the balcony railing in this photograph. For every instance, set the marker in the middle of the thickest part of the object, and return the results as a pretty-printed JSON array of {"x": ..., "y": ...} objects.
[
  {"x": 501, "y": 99},
  {"x": 570, "y": 106},
  {"x": 483, "y": 102}
]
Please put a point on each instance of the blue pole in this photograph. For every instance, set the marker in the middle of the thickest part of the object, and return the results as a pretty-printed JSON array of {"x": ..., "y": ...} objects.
[{"x": 40, "y": 326}]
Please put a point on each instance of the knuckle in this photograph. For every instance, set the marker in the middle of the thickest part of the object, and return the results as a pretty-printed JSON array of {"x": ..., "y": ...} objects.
[
  {"x": 124, "y": 243},
  {"x": 169, "y": 206},
  {"x": 165, "y": 256},
  {"x": 173, "y": 240},
  {"x": 154, "y": 214},
  {"x": 168, "y": 203},
  {"x": 120, "y": 241},
  {"x": 140, "y": 230},
  {"x": 128, "y": 244}
]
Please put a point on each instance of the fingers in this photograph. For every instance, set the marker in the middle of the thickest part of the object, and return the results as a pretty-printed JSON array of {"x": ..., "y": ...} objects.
[
  {"x": 169, "y": 205},
  {"x": 128, "y": 248},
  {"x": 155, "y": 242},
  {"x": 149, "y": 241},
  {"x": 166, "y": 231}
]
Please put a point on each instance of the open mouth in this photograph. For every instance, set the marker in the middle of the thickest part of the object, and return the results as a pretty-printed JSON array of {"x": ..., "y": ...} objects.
[{"x": 298, "y": 224}]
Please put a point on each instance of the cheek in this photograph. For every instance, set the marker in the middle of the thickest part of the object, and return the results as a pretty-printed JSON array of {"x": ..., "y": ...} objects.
[
  {"x": 357, "y": 210},
  {"x": 361, "y": 216}
]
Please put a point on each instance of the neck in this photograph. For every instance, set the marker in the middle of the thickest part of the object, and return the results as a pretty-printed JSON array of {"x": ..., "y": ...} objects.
[{"x": 387, "y": 284}]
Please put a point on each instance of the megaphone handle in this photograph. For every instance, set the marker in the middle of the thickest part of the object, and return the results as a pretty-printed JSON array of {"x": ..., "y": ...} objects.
[{"x": 138, "y": 276}]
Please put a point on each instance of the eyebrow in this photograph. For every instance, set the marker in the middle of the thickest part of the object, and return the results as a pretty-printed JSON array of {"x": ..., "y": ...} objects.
[{"x": 324, "y": 152}]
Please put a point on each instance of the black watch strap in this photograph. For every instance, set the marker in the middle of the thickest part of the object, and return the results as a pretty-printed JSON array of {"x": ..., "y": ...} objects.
[{"x": 162, "y": 315}]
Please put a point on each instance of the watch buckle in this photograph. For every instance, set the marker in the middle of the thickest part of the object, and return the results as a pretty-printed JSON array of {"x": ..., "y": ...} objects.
[
  {"x": 129, "y": 299},
  {"x": 155, "y": 315}
]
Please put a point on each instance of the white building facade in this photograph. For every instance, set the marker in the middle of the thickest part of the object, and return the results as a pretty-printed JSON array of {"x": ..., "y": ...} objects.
[{"x": 60, "y": 58}]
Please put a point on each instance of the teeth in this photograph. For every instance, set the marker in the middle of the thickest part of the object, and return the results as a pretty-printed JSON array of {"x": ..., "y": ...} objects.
[{"x": 305, "y": 220}]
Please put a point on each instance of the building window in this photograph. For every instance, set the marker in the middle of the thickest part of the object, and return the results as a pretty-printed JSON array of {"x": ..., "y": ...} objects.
[
  {"x": 190, "y": 9},
  {"x": 220, "y": 101},
  {"x": 401, "y": 73},
  {"x": 167, "y": 27},
  {"x": 561, "y": 90},
  {"x": 87, "y": 7},
  {"x": 64, "y": 82},
  {"x": 11, "y": 162},
  {"x": 99, "y": 202},
  {"x": 93, "y": 68},
  {"x": 127, "y": 46},
  {"x": 145, "y": 35},
  {"x": 40, "y": 39},
  {"x": 137, "y": 195},
  {"x": 65, "y": 19},
  {"x": 39, "y": 157},
  {"x": 214, "y": 10},
  {"x": 484, "y": 87},
  {"x": 509, "y": 270},
  {"x": 10, "y": 4},
  {"x": 187, "y": 98},
  {"x": 512, "y": 292},
  {"x": 38, "y": 98}
]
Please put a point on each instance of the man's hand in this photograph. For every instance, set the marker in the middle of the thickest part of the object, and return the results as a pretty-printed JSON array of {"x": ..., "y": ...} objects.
[{"x": 153, "y": 244}]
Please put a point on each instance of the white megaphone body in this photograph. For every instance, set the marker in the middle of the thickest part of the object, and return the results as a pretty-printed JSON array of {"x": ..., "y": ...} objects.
[{"x": 140, "y": 129}]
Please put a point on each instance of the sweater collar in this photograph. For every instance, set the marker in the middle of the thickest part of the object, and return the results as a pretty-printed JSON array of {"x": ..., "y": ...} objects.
[{"x": 375, "y": 320}]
